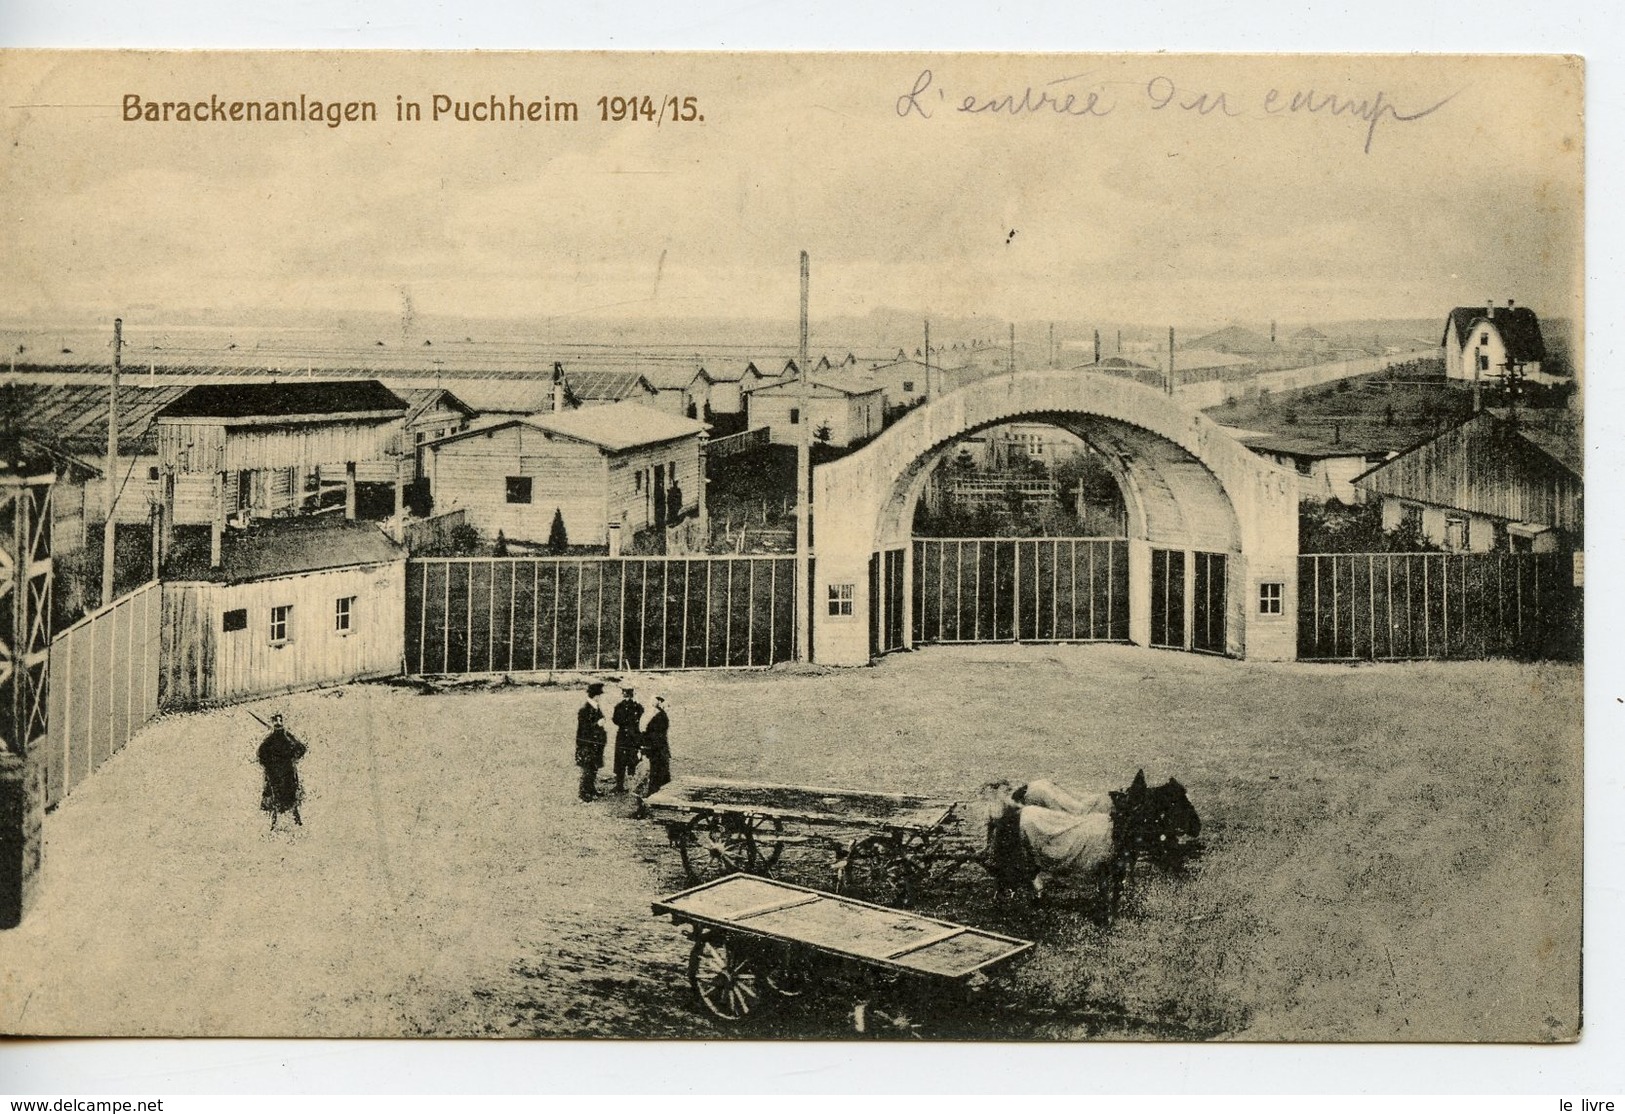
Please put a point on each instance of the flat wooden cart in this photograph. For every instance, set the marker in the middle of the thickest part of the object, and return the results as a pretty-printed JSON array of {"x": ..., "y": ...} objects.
[
  {"x": 884, "y": 845},
  {"x": 759, "y": 937}
]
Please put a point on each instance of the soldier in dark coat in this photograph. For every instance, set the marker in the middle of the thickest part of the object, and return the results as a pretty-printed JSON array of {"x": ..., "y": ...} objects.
[
  {"x": 657, "y": 746},
  {"x": 628, "y": 714},
  {"x": 279, "y": 755},
  {"x": 590, "y": 740}
]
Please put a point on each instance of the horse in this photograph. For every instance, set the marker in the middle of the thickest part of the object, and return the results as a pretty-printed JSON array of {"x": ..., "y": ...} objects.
[
  {"x": 1161, "y": 823},
  {"x": 1038, "y": 832}
]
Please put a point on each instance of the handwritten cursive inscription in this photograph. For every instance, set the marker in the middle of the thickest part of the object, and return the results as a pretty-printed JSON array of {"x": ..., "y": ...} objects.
[
  {"x": 1373, "y": 110},
  {"x": 1078, "y": 97}
]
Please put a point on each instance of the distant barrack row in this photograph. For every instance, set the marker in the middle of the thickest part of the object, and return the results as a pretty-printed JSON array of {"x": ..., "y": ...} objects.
[{"x": 304, "y": 110}]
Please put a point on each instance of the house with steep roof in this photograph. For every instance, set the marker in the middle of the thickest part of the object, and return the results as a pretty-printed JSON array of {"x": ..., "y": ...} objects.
[
  {"x": 1491, "y": 482},
  {"x": 1483, "y": 342},
  {"x": 608, "y": 471}
]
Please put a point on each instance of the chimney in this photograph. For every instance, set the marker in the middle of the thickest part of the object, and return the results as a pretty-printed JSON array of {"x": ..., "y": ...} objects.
[
  {"x": 1272, "y": 332},
  {"x": 1511, "y": 305},
  {"x": 1489, "y": 307},
  {"x": 558, "y": 388},
  {"x": 1097, "y": 346}
]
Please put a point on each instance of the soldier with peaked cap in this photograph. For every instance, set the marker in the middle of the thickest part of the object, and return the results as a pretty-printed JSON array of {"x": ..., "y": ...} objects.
[
  {"x": 627, "y": 715},
  {"x": 590, "y": 740},
  {"x": 657, "y": 746},
  {"x": 279, "y": 755}
]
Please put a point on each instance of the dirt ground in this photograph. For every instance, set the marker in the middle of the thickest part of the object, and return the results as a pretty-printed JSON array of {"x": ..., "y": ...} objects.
[{"x": 1393, "y": 854}]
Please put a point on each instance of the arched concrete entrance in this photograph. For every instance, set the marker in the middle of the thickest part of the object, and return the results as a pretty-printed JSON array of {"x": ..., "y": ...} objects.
[{"x": 1189, "y": 489}]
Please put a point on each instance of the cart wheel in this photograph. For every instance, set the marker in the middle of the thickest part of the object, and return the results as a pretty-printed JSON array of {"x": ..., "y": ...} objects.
[
  {"x": 764, "y": 833},
  {"x": 717, "y": 844},
  {"x": 710, "y": 848},
  {"x": 875, "y": 870},
  {"x": 724, "y": 977},
  {"x": 788, "y": 976}
]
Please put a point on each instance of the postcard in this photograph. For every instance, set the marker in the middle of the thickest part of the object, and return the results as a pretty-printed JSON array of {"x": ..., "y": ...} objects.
[{"x": 758, "y": 546}]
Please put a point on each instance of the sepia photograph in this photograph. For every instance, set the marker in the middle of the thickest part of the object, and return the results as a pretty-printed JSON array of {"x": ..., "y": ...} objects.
[{"x": 792, "y": 547}]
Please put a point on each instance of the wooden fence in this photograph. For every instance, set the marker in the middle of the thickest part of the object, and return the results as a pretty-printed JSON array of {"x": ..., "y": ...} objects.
[
  {"x": 521, "y": 614},
  {"x": 1390, "y": 606},
  {"x": 103, "y": 687},
  {"x": 1020, "y": 590},
  {"x": 738, "y": 442},
  {"x": 436, "y": 530}
]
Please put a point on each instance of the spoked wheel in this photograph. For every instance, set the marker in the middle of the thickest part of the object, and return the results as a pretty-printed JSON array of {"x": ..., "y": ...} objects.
[
  {"x": 788, "y": 975},
  {"x": 713, "y": 845},
  {"x": 876, "y": 870},
  {"x": 726, "y": 979}
]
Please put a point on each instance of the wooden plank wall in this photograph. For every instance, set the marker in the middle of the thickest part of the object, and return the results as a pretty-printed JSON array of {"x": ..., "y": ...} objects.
[
  {"x": 566, "y": 476},
  {"x": 203, "y": 663},
  {"x": 104, "y": 687},
  {"x": 206, "y": 447},
  {"x": 1483, "y": 468}
]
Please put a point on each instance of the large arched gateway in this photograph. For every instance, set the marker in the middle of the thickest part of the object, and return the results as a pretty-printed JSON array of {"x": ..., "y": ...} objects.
[{"x": 1202, "y": 511}]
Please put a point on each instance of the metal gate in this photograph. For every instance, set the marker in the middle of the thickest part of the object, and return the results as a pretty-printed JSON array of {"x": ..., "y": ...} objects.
[
  {"x": 1208, "y": 604},
  {"x": 1168, "y": 598},
  {"x": 1020, "y": 590},
  {"x": 519, "y": 614},
  {"x": 1389, "y": 606},
  {"x": 886, "y": 595}
]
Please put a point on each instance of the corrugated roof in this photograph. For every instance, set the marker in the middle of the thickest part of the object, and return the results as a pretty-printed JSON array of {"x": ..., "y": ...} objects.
[
  {"x": 73, "y": 417},
  {"x": 831, "y": 386},
  {"x": 610, "y": 386},
  {"x": 1306, "y": 447},
  {"x": 622, "y": 425},
  {"x": 419, "y": 400},
  {"x": 281, "y": 547},
  {"x": 671, "y": 378},
  {"x": 279, "y": 400}
]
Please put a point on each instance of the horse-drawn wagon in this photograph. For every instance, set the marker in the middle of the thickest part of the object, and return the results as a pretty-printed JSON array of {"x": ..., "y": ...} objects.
[
  {"x": 883, "y": 845},
  {"x": 756, "y": 938}
]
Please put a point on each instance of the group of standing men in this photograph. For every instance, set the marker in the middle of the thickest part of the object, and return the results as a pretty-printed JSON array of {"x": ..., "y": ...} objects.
[{"x": 634, "y": 738}]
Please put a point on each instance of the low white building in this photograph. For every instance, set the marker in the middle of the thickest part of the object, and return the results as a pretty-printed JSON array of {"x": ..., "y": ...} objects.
[
  {"x": 837, "y": 414},
  {"x": 624, "y": 463}
]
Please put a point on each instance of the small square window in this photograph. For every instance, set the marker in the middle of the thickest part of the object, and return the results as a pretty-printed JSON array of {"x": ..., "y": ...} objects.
[
  {"x": 281, "y": 620},
  {"x": 235, "y": 619},
  {"x": 152, "y": 474},
  {"x": 908, "y": 385},
  {"x": 795, "y": 415},
  {"x": 1269, "y": 597},
  {"x": 1483, "y": 338},
  {"x": 637, "y": 480},
  {"x": 343, "y": 609},
  {"x": 518, "y": 489},
  {"x": 840, "y": 599}
]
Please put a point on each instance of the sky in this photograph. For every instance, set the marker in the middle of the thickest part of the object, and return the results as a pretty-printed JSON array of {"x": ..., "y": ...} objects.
[{"x": 1155, "y": 201}]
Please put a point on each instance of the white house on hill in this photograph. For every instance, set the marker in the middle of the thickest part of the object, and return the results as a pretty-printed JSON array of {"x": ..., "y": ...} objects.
[{"x": 1482, "y": 342}]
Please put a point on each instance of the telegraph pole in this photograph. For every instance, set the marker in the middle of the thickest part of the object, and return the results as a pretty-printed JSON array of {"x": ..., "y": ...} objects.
[
  {"x": 1012, "y": 348},
  {"x": 927, "y": 358},
  {"x": 803, "y": 492},
  {"x": 1170, "y": 361},
  {"x": 110, "y": 528}
]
